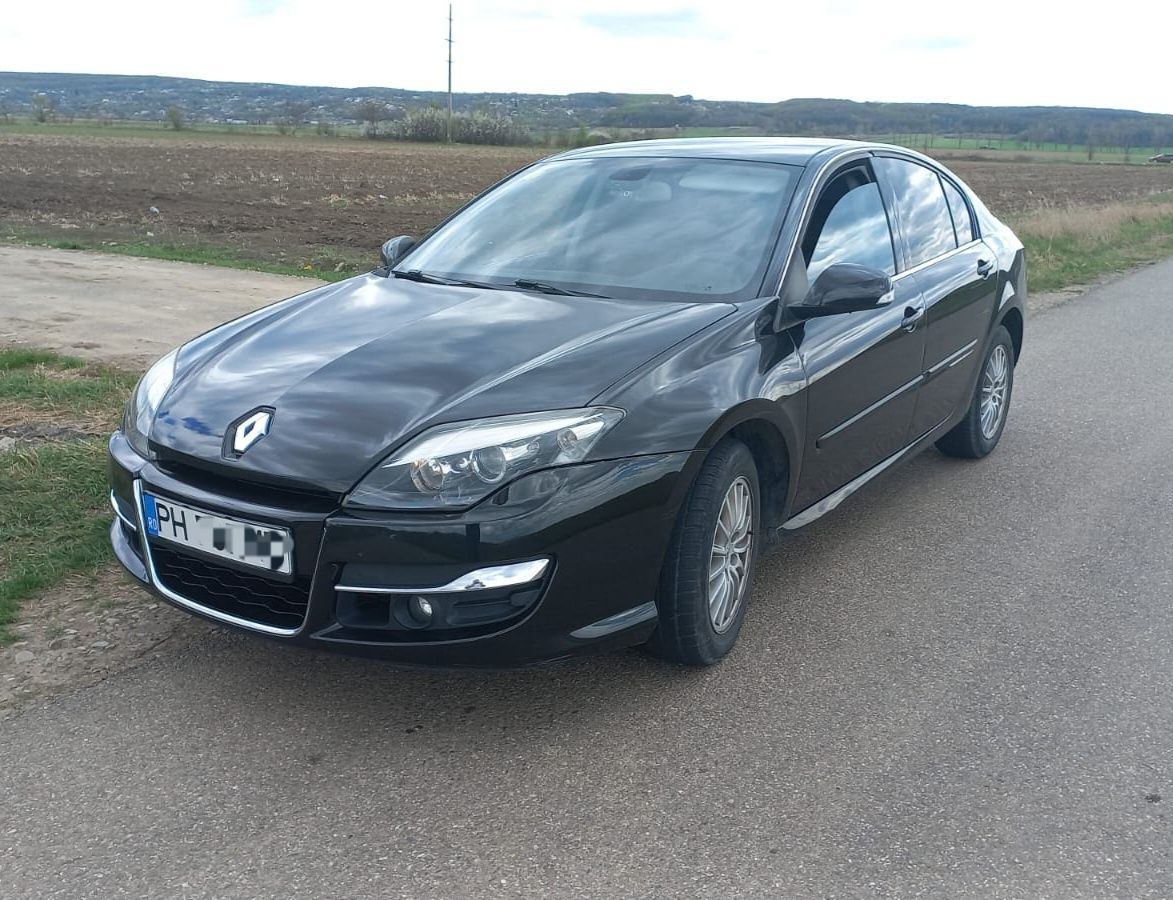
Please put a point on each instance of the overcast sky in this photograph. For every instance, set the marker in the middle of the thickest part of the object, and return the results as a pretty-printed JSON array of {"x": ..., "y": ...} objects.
[{"x": 1015, "y": 52}]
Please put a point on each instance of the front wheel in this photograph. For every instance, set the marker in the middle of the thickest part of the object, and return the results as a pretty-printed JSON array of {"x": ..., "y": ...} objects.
[
  {"x": 981, "y": 429},
  {"x": 708, "y": 571}
]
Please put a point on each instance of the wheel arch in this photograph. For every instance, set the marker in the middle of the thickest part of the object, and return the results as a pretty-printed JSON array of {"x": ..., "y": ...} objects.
[
  {"x": 1012, "y": 321},
  {"x": 771, "y": 439}
]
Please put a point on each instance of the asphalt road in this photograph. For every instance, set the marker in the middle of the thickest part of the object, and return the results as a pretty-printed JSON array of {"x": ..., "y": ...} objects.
[{"x": 959, "y": 683}]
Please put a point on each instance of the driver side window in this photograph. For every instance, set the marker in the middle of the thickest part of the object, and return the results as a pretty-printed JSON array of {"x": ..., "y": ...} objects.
[{"x": 849, "y": 225}]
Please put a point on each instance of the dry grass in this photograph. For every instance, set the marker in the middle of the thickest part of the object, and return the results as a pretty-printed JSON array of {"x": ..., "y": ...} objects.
[
  {"x": 1095, "y": 223},
  {"x": 1077, "y": 244}
]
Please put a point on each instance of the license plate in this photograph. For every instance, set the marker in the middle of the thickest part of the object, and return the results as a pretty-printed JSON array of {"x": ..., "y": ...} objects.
[{"x": 262, "y": 546}]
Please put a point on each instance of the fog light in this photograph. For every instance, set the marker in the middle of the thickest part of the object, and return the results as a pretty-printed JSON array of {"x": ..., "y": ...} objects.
[{"x": 420, "y": 610}]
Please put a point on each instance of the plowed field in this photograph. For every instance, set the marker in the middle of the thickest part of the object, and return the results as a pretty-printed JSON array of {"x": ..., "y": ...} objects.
[{"x": 330, "y": 203}]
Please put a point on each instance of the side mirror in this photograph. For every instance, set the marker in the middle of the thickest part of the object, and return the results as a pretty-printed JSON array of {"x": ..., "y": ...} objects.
[
  {"x": 844, "y": 288},
  {"x": 395, "y": 249}
]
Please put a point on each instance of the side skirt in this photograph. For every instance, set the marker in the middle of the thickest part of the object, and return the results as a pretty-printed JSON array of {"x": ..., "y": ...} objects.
[{"x": 832, "y": 500}]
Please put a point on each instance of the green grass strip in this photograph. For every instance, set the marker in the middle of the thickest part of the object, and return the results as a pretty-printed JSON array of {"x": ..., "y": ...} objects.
[
  {"x": 54, "y": 520},
  {"x": 48, "y": 382},
  {"x": 203, "y": 254},
  {"x": 54, "y": 515}
]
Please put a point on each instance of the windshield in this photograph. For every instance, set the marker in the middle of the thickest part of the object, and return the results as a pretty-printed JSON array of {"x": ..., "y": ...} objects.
[{"x": 620, "y": 227}]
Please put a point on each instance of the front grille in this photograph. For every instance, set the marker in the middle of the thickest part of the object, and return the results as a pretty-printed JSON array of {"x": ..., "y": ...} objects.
[
  {"x": 251, "y": 597},
  {"x": 237, "y": 486}
]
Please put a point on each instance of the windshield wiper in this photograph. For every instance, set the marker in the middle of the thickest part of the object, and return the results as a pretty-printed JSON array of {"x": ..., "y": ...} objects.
[
  {"x": 428, "y": 278},
  {"x": 527, "y": 284}
]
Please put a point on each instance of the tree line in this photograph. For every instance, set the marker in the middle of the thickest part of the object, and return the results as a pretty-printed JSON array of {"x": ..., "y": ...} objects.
[{"x": 383, "y": 111}]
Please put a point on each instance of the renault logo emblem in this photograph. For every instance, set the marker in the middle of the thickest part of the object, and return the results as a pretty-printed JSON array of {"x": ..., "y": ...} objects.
[{"x": 250, "y": 429}]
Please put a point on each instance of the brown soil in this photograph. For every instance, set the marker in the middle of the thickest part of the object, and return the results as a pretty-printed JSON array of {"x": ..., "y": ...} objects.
[
  {"x": 299, "y": 201},
  {"x": 282, "y": 200},
  {"x": 121, "y": 309},
  {"x": 295, "y": 200},
  {"x": 1010, "y": 188}
]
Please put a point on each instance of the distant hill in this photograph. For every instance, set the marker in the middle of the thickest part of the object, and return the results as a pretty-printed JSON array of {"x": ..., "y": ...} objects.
[{"x": 147, "y": 98}]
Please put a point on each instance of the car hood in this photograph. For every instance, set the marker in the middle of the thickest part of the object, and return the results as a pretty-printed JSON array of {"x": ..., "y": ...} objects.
[{"x": 351, "y": 370}]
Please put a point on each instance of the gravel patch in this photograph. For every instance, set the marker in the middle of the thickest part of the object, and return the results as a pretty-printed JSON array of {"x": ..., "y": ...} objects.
[{"x": 84, "y": 630}]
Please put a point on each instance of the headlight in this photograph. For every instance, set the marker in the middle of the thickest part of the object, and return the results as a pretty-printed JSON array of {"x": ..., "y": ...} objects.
[
  {"x": 455, "y": 466},
  {"x": 144, "y": 402}
]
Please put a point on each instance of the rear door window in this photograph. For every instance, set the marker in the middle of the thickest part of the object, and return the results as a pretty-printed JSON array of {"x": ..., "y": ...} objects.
[
  {"x": 925, "y": 223},
  {"x": 962, "y": 223}
]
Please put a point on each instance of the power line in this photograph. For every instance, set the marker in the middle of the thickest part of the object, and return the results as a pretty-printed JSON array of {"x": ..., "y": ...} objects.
[{"x": 448, "y": 130}]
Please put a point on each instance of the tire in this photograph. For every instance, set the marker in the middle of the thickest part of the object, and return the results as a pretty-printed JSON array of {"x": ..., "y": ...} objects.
[
  {"x": 689, "y": 632},
  {"x": 969, "y": 439}
]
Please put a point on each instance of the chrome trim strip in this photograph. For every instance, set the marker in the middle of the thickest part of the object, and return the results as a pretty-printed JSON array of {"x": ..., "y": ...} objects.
[
  {"x": 953, "y": 358},
  {"x": 831, "y": 501},
  {"x": 871, "y": 409},
  {"x": 118, "y": 512},
  {"x": 635, "y": 616},
  {"x": 489, "y": 578},
  {"x": 127, "y": 553},
  {"x": 912, "y": 270},
  {"x": 961, "y": 357},
  {"x": 181, "y": 601}
]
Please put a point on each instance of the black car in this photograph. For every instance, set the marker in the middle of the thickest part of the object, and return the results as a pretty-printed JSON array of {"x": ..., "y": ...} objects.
[{"x": 572, "y": 415}]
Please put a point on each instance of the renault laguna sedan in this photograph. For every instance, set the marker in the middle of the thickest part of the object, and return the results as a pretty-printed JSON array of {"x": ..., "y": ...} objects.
[{"x": 572, "y": 416}]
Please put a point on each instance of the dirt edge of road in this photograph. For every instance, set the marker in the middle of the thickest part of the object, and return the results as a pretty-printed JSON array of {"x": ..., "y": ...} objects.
[
  {"x": 123, "y": 310},
  {"x": 84, "y": 630}
]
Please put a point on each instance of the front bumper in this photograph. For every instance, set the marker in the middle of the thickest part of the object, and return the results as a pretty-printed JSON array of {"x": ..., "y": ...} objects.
[{"x": 603, "y": 529}]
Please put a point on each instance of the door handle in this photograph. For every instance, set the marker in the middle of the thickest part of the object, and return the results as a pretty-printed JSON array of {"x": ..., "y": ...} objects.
[
  {"x": 985, "y": 267},
  {"x": 912, "y": 317}
]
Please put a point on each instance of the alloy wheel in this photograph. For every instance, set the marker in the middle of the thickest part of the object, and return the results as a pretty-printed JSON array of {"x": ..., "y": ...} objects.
[
  {"x": 729, "y": 561},
  {"x": 995, "y": 379}
]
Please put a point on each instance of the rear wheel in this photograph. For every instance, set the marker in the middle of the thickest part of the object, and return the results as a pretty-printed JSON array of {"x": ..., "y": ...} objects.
[
  {"x": 708, "y": 571},
  {"x": 981, "y": 429}
]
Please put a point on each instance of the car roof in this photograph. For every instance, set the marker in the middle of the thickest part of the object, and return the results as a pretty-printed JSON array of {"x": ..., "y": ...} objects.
[{"x": 794, "y": 151}]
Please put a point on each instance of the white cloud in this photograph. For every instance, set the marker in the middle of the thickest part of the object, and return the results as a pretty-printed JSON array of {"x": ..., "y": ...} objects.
[{"x": 997, "y": 52}]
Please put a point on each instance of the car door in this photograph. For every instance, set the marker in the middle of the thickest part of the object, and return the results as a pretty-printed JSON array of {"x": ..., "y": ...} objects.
[
  {"x": 863, "y": 368},
  {"x": 956, "y": 274}
]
